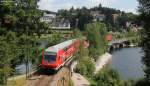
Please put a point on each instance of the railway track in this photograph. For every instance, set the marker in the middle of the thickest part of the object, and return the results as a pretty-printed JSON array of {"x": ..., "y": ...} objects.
[
  {"x": 38, "y": 79},
  {"x": 41, "y": 80},
  {"x": 45, "y": 81}
]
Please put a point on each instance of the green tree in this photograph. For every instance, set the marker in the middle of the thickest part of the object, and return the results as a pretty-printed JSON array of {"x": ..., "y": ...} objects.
[
  {"x": 85, "y": 65},
  {"x": 21, "y": 16},
  {"x": 19, "y": 21},
  {"x": 77, "y": 33},
  {"x": 95, "y": 34},
  {"x": 7, "y": 19},
  {"x": 78, "y": 17},
  {"x": 145, "y": 17},
  {"x": 7, "y": 54}
]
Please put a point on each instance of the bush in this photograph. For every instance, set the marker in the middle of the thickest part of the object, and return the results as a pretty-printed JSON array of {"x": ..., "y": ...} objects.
[
  {"x": 107, "y": 77},
  {"x": 85, "y": 67},
  {"x": 110, "y": 77},
  {"x": 142, "y": 82}
]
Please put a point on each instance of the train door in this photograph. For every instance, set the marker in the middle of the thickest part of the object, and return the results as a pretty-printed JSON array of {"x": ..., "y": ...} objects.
[{"x": 59, "y": 57}]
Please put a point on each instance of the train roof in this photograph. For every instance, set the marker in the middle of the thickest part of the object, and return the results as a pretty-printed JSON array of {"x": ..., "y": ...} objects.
[{"x": 59, "y": 46}]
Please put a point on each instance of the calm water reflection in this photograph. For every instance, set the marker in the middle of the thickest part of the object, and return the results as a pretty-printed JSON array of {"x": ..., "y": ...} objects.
[{"x": 127, "y": 62}]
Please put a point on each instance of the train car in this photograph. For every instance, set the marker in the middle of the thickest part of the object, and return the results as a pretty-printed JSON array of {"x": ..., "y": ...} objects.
[{"x": 56, "y": 56}]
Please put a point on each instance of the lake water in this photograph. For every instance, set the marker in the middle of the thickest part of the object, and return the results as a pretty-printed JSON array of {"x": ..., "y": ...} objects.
[
  {"x": 127, "y": 62},
  {"x": 21, "y": 69}
]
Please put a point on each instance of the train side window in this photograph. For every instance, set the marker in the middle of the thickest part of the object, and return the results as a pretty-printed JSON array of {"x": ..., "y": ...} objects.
[{"x": 65, "y": 49}]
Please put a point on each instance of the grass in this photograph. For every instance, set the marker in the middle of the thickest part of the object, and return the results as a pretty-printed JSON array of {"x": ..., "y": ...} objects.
[
  {"x": 92, "y": 82},
  {"x": 71, "y": 82},
  {"x": 18, "y": 81}
]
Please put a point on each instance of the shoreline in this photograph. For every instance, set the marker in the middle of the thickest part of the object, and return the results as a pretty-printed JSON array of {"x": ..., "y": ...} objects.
[
  {"x": 80, "y": 80},
  {"x": 102, "y": 61}
]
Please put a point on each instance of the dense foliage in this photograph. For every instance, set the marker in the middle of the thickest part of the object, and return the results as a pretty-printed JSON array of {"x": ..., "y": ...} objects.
[
  {"x": 20, "y": 29},
  {"x": 109, "y": 77},
  {"x": 19, "y": 22},
  {"x": 78, "y": 17},
  {"x": 81, "y": 16},
  {"x": 144, "y": 9},
  {"x": 96, "y": 33},
  {"x": 85, "y": 65}
]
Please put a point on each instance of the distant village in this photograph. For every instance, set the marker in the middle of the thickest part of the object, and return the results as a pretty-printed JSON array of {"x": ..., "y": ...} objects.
[
  {"x": 57, "y": 22},
  {"x": 54, "y": 21}
]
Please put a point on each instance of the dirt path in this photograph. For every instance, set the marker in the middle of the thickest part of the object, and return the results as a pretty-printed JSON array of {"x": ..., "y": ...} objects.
[{"x": 39, "y": 80}]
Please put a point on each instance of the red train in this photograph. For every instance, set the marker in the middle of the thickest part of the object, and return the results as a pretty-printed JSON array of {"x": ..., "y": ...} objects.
[{"x": 56, "y": 56}]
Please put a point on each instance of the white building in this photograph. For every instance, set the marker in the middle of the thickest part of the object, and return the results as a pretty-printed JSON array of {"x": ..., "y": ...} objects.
[
  {"x": 48, "y": 18},
  {"x": 100, "y": 17},
  {"x": 54, "y": 21},
  {"x": 97, "y": 16},
  {"x": 61, "y": 24}
]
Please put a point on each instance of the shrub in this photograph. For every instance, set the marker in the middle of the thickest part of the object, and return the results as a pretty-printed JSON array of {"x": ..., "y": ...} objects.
[
  {"x": 85, "y": 67},
  {"x": 107, "y": 77}
]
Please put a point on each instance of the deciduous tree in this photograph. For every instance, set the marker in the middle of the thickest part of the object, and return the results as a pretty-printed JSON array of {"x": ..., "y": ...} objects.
[{"x": 144, "y": 9}]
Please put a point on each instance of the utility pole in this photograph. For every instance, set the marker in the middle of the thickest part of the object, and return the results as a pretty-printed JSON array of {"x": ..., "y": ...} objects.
[
  {"x": 77, "y": 20},
  {"x": 27, "y": 53}
]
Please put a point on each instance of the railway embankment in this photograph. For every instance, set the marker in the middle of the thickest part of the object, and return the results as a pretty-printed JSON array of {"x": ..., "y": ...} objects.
[
  {"x": 102, "y": 61},
  {"x": 62, "y": 77}
]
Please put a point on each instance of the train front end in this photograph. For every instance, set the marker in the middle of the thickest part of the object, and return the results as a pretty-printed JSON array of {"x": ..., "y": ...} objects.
[{"x": 49, "y": 60}]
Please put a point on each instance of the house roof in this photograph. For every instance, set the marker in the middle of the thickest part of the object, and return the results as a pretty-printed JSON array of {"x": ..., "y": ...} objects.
[
  {"x": 62, "y": 45},
  {"x": 49, "y": 12}
]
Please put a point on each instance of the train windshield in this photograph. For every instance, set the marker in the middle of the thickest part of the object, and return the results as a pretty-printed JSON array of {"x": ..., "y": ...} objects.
[{"x": 50, "y": 58}]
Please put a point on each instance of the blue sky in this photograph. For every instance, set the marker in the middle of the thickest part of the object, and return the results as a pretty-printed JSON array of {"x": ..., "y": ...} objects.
[{"x": 54, "y": 5}]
